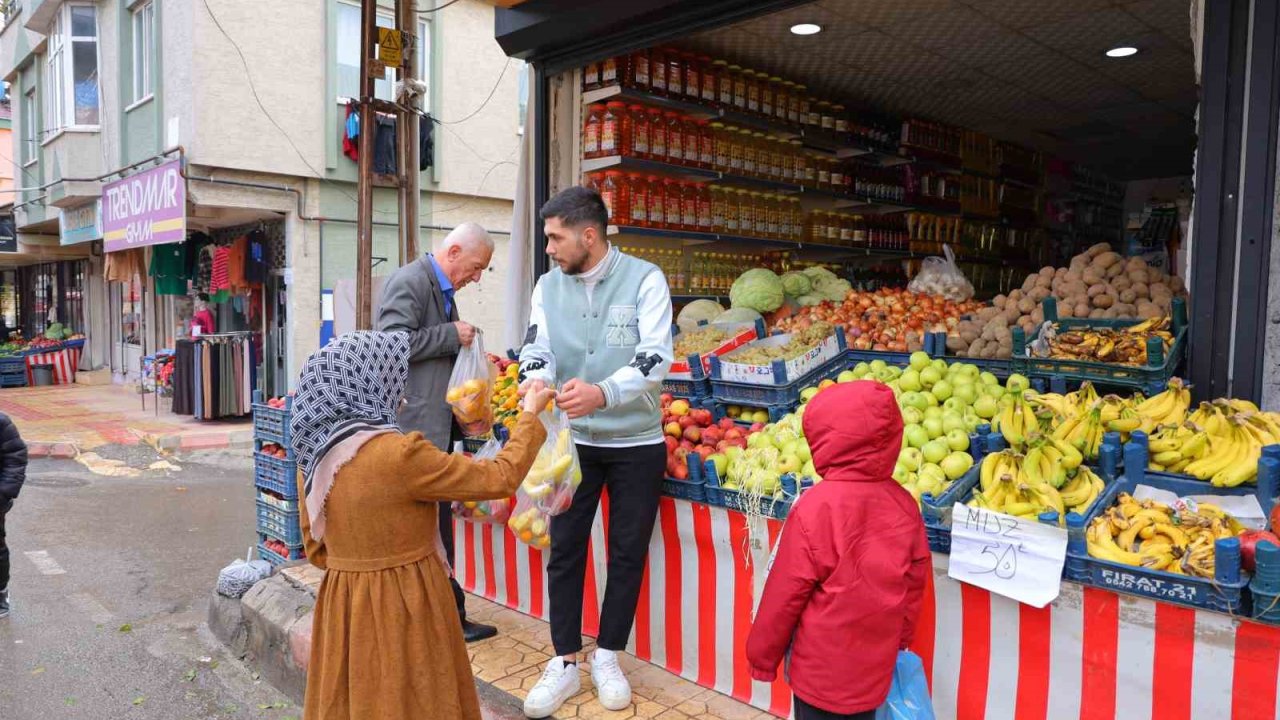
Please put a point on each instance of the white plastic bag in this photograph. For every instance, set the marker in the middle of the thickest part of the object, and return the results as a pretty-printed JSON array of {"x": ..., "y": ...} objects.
[
  {"x": 548, "y": 489},
  {"x": 235, "y": 579},
  {"x": 485, "y": 511},
  {"x": 941, "y": 276},
  {"x": 471, "y": 389}
]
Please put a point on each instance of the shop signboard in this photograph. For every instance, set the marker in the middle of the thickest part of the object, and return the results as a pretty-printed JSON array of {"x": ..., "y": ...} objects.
[
  {"x": 149, "y": 208},
  {"x": 8, "y": 235},
  {"x": 80, "y": 224}
]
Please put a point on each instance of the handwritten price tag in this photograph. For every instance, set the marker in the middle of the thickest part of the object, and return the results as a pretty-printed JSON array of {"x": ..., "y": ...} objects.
[{"x": 1017, "y": 558}]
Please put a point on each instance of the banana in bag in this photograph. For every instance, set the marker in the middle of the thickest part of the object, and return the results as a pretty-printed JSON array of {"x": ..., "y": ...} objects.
[{"x": 548, "y": 489}]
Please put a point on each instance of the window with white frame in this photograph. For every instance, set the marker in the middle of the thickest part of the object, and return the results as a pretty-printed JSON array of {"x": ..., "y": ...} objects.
[
  {"x": 71, "y": 79},
  {"x": 348, "y": 54},
  {"x": 144, "y": 20},
  {"x": 27, "y": 116}
]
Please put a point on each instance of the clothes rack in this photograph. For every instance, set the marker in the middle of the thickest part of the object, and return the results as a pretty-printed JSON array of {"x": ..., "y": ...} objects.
[{"x": 223, "y": 375}]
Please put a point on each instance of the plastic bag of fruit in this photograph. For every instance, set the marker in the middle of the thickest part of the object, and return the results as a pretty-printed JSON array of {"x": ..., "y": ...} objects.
[
  {"x": 548, "y": 489},
  {"x": 485, "y": 511},
  {"x": 471, "y": 389},
  {"x": 941, "y": 276}
]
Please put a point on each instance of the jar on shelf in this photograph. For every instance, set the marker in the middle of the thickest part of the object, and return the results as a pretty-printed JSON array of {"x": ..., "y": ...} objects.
[
  {"x": 780, "y": 99},
  {"x": 823, "y": 174},
  {"x": 692, "y": 78},
  {"x": 611, "y": 128},
  {"x": 753, "y": 90},
  {"x": 674, "y": 125},
  {"x": 721, "y": 154},
  {"x": 773, "y": 215},
  {"x": 613, "y": 192},
  {"x": 675, "y": 74},
  {"x": 801, "y": 101},
  {"x": 749, "y": 153},
  {"x": 638, "y": 193},
  {"x": 689, "y": 206},
  {"x": 703, "y": 194},
  {"x": 746, "y": 213},
  {"x": 737, "y": 153},
  {"x": 833, "y": 229},
  {"x": 797, "y": 217},
  {"x": 792, "y": 169},
  {"x": 795, "y": 92},
  {"x": 716, "y": 196},
  {"x": 841, "y": 117},
  {"x": 658, "y": 71},
  {"x": 640, "y": 131},
  {"x": 591, "y": 131},
  {"x": 692, "y": 143},
  {"x": 826, "y": 117},
  {"x": 635, "y": 73},
  {"x": 706, "y": 145},
  {"x": 657, "y": 202},
  {"x": 837, "y": 176},
  {"x": 710, "y": 80},
  {"x": 815, "y": 114},
  {"x": 739, "y": 87},
  {"x": 813, "y": 226},
  {"x": 732, "y": 208},
  {"x": 609, "y": 71},
  {"x": 767, "y": 93},
  {"x": 846, "y": 230},
  {"x": 657, "y": 135},
  {"x": 591, "y": 76},
  {"x": 859, "y": 231},
  {"x": 672, "y": 203}
]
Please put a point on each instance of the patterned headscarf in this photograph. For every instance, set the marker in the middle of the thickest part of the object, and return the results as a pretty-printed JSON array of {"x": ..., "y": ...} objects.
[{"x": 353, "y": 384}]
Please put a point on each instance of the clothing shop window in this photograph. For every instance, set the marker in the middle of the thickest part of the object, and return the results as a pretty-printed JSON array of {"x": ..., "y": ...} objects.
[
  {"x": 144, "y": 20},
  {"x": 27, "y": 116},
  {"x": 131, "y": 311},
  {"x": 348, "y": 54},
  {"x": 72, "y": 97}
]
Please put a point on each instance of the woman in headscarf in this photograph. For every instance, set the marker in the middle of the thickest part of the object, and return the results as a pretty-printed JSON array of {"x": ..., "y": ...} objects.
[{"x": 386, "y": 642}]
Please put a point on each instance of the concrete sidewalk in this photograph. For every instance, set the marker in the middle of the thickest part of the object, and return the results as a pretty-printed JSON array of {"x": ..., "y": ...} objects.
[
  {"x": 271, "y": 627},
  {"x": 63, "y": 420}
]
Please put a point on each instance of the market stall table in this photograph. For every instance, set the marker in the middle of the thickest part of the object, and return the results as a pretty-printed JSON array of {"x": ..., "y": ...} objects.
[
  {"x": 64, "y": 360},
  {"x": 987, "y": 656}
]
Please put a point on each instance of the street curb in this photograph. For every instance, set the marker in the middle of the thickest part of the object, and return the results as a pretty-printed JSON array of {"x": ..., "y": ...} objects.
[{"x": 48, "y": 449}]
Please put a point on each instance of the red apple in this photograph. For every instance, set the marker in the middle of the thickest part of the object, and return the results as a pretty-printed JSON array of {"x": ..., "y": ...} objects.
[
  {"x": 692, "y": 434},
  {"x": 672, "y": 443},
  {"x": 685, "y": 445},
  {"x": 680, "y": 472},
  {"x": 757, "y": 427},
  {"x": 726, "y": 423},
  {"x": 687, "y": 421},
  {"x": 733, "y": 433},
  {"x": 712, "y": 435},
  {"x": 666, "y": 399},
  {"x": 705, "y": 452}
]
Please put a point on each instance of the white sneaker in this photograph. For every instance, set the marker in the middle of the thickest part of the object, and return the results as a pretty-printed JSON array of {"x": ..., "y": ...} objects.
[
  {"x": 611, "y": 685},
  {"x": 559, "y": 682}
]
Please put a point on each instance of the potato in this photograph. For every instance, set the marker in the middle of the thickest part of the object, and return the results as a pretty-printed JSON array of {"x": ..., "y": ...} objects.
[
  {"x": 1097, "y": 289},
  {"x": 1110, "y": 313},
  {"x": 975, "y": 350},
  {"x": 1121, "y": 283},
  {"x": 968, "y": 337},
  {"x": 1026, "y": 305},
  {"x": 1115, "y": 271},
  {"x": 1038, "y": 295},
  {"x": 1030, "y": 282},
  {"x": 1176, "y": 284},
  {"x": 1082, "y": 309},
  {"x": 1106, "y": 260},
  {"x": 1128, "y": 296},
  {"x": 1042, "y": 282},
  {"x": 1015, "y": 295},
  {"x": 1061, "y": 272},
  {"x": 999, "y": 301},
  {"x": 1140, "y": 276},
  {"x": 1011, "y": 315},
  {"x": 1102, "y": 300},
  {"x": 1066, "y": 310},
  {"x": 1098, "y": 249},
  {"x": 1141, "y": 291},
  {"x": 1049, "y": 271},
  {"x": 1093, "y": 276},
  {"x": 1148, "y": 310},
  {"x": 1096, "y": 313},
  {"x": 1037, "y": 315}
]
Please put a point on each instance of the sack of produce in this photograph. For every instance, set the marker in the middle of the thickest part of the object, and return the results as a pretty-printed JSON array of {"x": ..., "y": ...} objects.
[
  {"x": 485, "y": 511},
  {"x": 471, "y": 389},
  {"x": 941, "y": 276},
  {"x": 237, "y": 578},
  {"x": 548, "y": 489}
]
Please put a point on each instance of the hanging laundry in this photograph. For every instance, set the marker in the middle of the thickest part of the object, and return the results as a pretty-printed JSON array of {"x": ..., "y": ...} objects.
[
  {"x": 169, "y": 268},
  {"x": 255, "y": 261},
  {"x": 124, "y": 265},
  {"x": 384, "y": 147},
  {"x": 236, "y": 254},
  {"x": 351, "y": 132},
  {"x": 426, "y": 143}
]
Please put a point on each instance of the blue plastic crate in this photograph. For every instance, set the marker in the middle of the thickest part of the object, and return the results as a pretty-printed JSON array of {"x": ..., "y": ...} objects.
[
  {"x": 696, "y": 389},
  {"x": 690, "y": 489},
  {"x": 279, "y": 524},
  {"x": 1225, "y": 593},
  {"x": 276, "y": 475},
  {"x": 720, "y": 410},
  {"x": 735, "y": 393},
  {"x": 734, "y": 500},
  {"x": 18, "y": 379},
  {"x": 12, "y": 365},
  {"x": 271, "y": 424},
  {"x": 275, "y": 559}
]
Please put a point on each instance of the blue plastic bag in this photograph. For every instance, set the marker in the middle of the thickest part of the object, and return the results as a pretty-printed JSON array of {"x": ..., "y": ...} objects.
[{"x": 909, "y": 695}]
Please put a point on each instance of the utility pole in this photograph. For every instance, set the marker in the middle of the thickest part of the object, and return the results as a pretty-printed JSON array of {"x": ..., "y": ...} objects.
[
  {"x": 407, "y": 129},
  {"x": 369, "y": 68}
]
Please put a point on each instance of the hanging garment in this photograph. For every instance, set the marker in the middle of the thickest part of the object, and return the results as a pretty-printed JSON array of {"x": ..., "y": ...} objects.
[
  {"x": 221, "y": 278},
  {"x": 426, "y": 145},
  {"x": 351, "y": 132},
  {"x": 168, "y": 267},
  {"x": 124, "y": 265},
  {"x": 204, "y": 270},
  {"x": 255, "y": 260},
  {"x": 196, "y": 243},
  {"x": 183, "y": 370},
  {"x": 236, "y": 254},
  {"x": 384, "y": 147}
]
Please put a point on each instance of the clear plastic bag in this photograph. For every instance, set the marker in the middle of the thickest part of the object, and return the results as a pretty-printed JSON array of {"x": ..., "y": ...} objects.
[
  {"x": 485, "y": 511},
  {"x": 471, "y": 389},
  {"x": 941, "y": 276},
  {"x": 548, "y": 489},
  {"x": 237, "y": 578}
]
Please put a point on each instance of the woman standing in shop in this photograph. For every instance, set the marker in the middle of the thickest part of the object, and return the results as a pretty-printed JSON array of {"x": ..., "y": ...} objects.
[{"x": 386, "y": 641}]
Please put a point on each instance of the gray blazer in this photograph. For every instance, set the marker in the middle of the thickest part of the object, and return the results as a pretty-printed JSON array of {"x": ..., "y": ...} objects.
[{"x": 412, "y": 302}]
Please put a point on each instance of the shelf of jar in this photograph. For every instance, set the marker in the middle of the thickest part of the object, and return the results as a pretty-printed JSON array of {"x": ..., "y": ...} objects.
[
  {"x": 739, "y": 242},
  {"x": 685, "y": 296}
]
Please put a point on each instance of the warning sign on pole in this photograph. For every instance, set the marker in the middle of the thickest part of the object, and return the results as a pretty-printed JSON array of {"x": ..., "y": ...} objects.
[{"x": 390, "y": 45}]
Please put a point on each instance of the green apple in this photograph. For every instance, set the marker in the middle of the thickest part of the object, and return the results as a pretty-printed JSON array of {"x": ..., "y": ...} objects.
[
  {"x": 987, "y": 378},
  {"x": 915, "y": 435},
  {"x": 935, "y": 450},
  {"x": 912, "y": 416},
  {"x": 941, "y": 390},
  {"x": 954, "y": 404},
  {"x": 933, "y": 426},
  {"x": 933, "y": 411},
  {"x": 965, "y": 391},
  {"x": 733, "y": 452},
  {"x": 721, "y": 461},
  {"x": 940, "y": 365},
  {"x": 919, "y": 360},
  {"x": 1018, "y": 383},
  {"x": 910, "y": 458},
  {"x": 808, "y": 394},
  {"x": 910, "y": 380},
  {"x": 953, "y": 421},
  {"x": 956, "y": 464},
  {"x": 861, "y": 369},
  {"x": 878, "y": 365},
  {"x": 789, "y": 463},
  {"x": 930, "y": 399},
  {"x": 932, "y": 473},
  {"x": 929, "y": 376},
  {"x": 995, "y": 391},
  {"x": 958, "y": 440},
  {"x": 808, "y": 471},
  {"x": 913, "y": 400},
  {"x": 900, "y": 474},
  {"x": 846, "y": 376},
  {"x": 760, "y": 440}
]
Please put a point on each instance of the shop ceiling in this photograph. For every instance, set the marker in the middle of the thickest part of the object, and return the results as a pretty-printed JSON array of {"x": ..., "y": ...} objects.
[{"x": 1029, "y": 71}]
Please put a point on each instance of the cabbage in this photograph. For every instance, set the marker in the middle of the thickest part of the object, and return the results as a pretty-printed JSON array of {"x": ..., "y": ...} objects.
[
  {"x": 827, "y": 284},
  {"x": 738, "y": 315},
  {"x": 697, "y": 311},
  {"x": 836, "y": 290},
  {"x": 810, "y": 300},
  {"x": 795, "y": 284},
  {"x": 757, "y": 289}
]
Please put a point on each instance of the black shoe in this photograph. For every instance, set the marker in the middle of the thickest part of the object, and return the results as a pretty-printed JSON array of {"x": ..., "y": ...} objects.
[
  {"x": 475, "y": 632},
  {"x": 4, "y": 603}
]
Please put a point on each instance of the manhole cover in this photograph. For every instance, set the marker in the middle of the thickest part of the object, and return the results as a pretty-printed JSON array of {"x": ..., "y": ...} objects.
[{"x": 56, "y": 481}]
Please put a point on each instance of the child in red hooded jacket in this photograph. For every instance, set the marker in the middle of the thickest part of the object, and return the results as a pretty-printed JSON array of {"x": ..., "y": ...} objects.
[{"x": 845, "y": 587}]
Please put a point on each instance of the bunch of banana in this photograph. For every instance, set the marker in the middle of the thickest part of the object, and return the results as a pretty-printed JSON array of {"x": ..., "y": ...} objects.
[
  {"x": 1083, "y": 432},
  {"x": 1167, "y": 408},
  {"x": 1149, "y": 534},
  {"x": 1126, "y": 347},
  {"x": 553, "y": 467},
  {"x": 1173, "y": 447},
  {"x": 1069, "y": 405},
  {"x": 1016, "y": 421},
  {"x": 1119, "y": 415},
  {"x": 1232, "y": 457},
  {"x": 1023, "y": 485},
  {"x": 1057, "y": 463}
]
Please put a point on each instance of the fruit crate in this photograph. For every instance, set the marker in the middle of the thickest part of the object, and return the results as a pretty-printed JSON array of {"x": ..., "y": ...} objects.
[
  {"x": 691, "y": 489},
  {"x": 271, "y": 424},
  {"x": 279, "y": 524},
  {"x": 780, "y": 394},
  {"x": 936, "y": 345},
  {"x": 936, "y": 511},
  {"x": 734, "y": 500},
  {"x": 9, "y": 365},
  {"x": 688, "y": 376},
  {"x": 13, "y": 379},
  {"x": 264, "y": 553},
  {"x": 830, "y": 351},
  {"x": 1061, "y": 374},
  {"x": 720, "y": 410},
  {"x": 1223, "y": 593},
  {"x": 933, "y": 346},
  {"x": 276, "y": 475},
  {"x": 472, "y": 445}
]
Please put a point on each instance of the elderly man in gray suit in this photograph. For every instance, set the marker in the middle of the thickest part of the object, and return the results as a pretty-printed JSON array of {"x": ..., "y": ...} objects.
[{"x": 419, "y": 300}]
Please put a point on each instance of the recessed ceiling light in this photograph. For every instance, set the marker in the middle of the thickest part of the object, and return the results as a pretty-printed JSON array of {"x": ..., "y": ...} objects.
[
  {"x": 806, "y": 29},
  {"x": 1122, "y": 51}
]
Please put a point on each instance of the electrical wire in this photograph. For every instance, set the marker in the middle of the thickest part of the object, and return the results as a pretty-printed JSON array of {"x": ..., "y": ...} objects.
[
  {"x": 484, "y": 104},
  {"x": 437, "y": 8}
]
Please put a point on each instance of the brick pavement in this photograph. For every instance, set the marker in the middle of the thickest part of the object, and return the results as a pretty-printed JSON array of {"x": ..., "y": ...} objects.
[{"x": 62, "y": 420}]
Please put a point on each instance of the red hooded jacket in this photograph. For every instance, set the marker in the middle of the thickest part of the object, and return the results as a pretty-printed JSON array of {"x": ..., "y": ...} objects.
[{"x": 845, "y": 587}]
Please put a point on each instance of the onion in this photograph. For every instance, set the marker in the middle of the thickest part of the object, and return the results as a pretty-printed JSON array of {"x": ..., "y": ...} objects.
[{"x": 1249, "y": 545}]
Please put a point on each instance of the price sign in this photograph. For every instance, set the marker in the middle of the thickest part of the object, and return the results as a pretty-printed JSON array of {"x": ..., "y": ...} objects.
[{"x": 1010, "y": 556}]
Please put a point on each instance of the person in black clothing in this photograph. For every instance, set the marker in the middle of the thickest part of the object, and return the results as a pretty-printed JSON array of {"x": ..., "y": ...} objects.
[{"x": 13, "y": 472}]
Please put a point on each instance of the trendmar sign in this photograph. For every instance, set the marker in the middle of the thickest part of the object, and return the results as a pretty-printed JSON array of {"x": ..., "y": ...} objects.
[{"x": 149, "y": 208}]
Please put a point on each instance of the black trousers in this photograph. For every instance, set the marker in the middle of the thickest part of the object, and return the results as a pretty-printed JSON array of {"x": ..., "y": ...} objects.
[
  {"x": 634, "y": 479},
  {"x": 445, "y": 520},
  {"x": 4, "y": 551},
  {"x": 805, "y": 711}
]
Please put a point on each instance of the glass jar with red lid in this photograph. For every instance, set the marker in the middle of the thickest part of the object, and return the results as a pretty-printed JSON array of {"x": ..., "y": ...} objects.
[
  {"x": 658, "y": 71},
  {"x": 692, "y": 78},
  {"x": 703, "y": 194},
  {"x": 672, "y": 203},
  {"x": 591, "y": 76},
  {"x": 638, "y": 207},
  {"x": 609, "y": 71},
  {"x": 689, "y": 206},
  {"x": 635, "y": 73},
  {"x": 657, "y": 202},
  {"x": 710, "y": 84},
  {"x": 611, "y": 128},
  {"x": 706, "y": 145},
  {"x": 640, "y": 131},
  {"x": 657, "y": 135},
  {"x": 692, "y": 143},
  {"x": 674, "y": 126},
  {"x": 591, "y": 131},
  {"x": 614, "y": 193},
  {"x": 675, "y": 74}
]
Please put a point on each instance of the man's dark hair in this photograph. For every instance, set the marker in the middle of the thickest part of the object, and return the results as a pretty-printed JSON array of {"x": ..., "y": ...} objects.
[{"x": 577, "y": 206}]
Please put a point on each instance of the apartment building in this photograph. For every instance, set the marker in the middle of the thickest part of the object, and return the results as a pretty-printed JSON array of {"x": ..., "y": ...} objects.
[{"x": 249, "y": 100}]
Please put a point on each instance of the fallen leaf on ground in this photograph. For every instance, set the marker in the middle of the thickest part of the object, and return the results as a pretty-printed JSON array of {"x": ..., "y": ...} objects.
[{"x": 126, "y": 628}]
